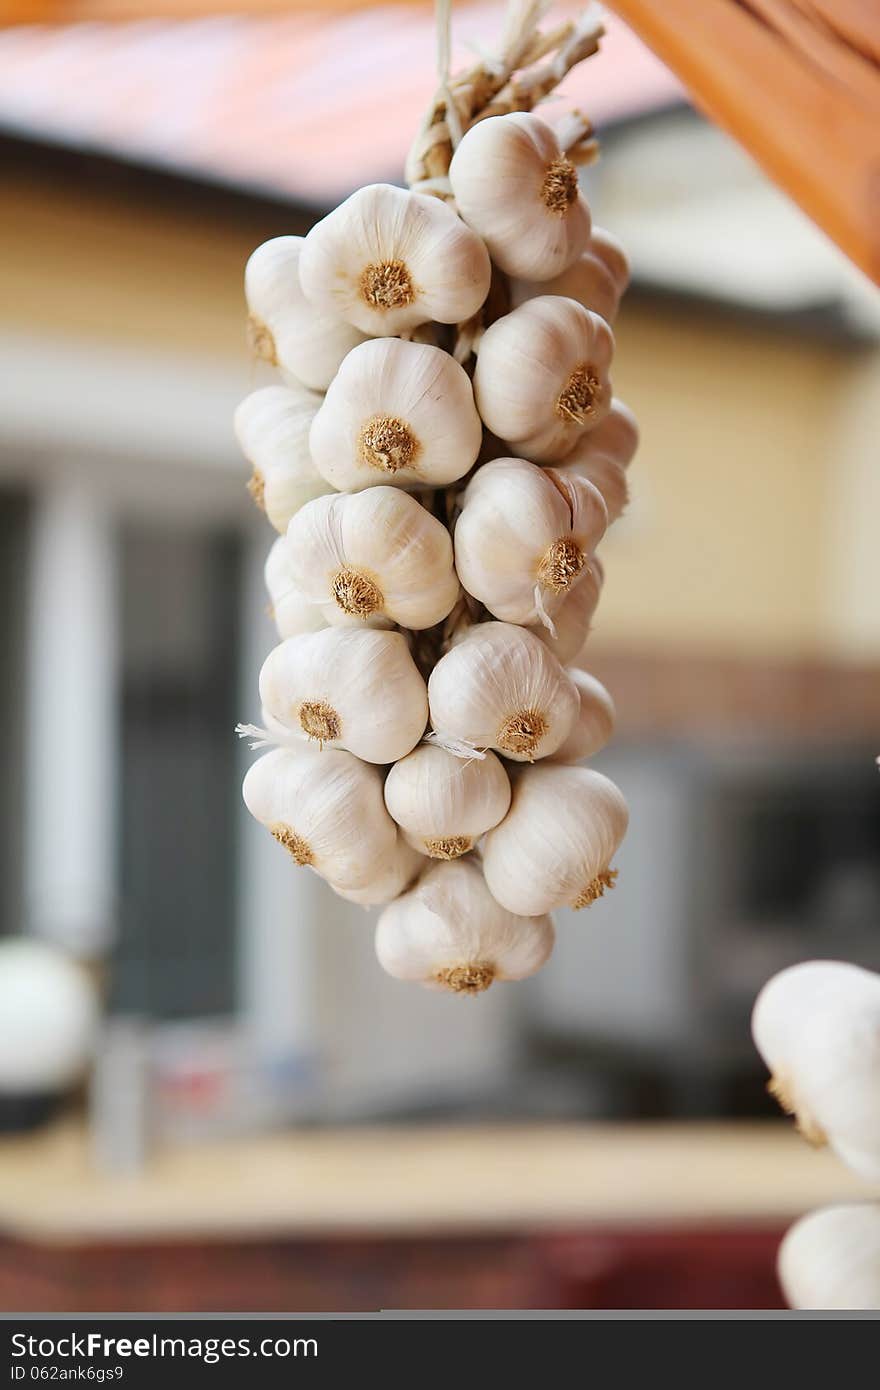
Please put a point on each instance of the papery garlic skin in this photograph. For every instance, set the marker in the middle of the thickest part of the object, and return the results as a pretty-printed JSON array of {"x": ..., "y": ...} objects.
[
  {"x": 555, "y": 845},
  {"x": 571, "y": 620},
  {"x": 374, "y": 557},
  {"x": 443, "y": 803},
  {"x": 515, "y": 187},
  {"x": 602, "y": 457},
  {"x": 387, "y": 260},
  {"x": 597, "y": 279},
  {"x": 595, "y": 722},
  {"x": 291, "y": 611},
  {"x": 606, "y": 476},
  {"x": 392, "y": 876},
  {"x": 817, "y": 1027},
  {"x": 396, "y": 413},
  {"x": 541, "y": 379},
  {"x": 272, "y": 428},
  {"x": 326, "y": 809},
  {"x": 354, "y": 688},
  {"x": 830, "y": 1259},
  {"x": 285, "y": 329},
  {"x": 501, "y": 688},
  {"x": 524, "y": 538},
  {"x": 449, "y": 933}
]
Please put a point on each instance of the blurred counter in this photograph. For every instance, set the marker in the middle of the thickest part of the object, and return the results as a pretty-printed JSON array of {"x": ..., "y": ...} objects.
[{"x": 416, "y": 1180}]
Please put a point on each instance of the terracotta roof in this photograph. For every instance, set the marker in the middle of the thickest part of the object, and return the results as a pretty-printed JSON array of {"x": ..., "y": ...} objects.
[{"x": 309, "y": 105}]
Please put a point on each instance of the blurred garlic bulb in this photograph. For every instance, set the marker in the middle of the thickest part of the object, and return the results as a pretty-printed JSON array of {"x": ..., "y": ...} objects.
[
  {"x": 524, "y": 538},
  {"x": 399, "y": 413},
  {"x": 448, "y": 932},
  {"x": 501, "y": 688},
  {"x": 555, "y": 845},
  {"x": 325, "y": 808},
  {"x": 817, "y": 1027},
  {"x": 444, "y": 803},
  {"x": 374, "y": 557},
  {"x": 290, "y": 609},
  {"x": 272, "y": 428},
  {"x": 515, "y": 187},
  {"x": 392, "y": 876},
  {"x": 354, "y": 688},
  {"x": 594, "y": 724},
  {"x": 830, "y": 1259},
  {"x": 387, "y": 260},
  {"x": 571, "y": 621},
  {"x": 597, "y": 279},
  {"x": 284, "y": 328},
  {"x": 541, "y": 379}
]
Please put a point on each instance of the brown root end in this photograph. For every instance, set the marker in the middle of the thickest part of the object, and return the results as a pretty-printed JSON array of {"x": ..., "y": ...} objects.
[
  {"x": 560, "y": 565},
  {"x": 466, "y": 979},
  {"x": 260, "y": 341},
  {"x": 522, "y": 732},
  {"x": 448, "y": 847},
  {"x": 560, "y": 186},
  {"x": 804, "y": 1122},
  {"x": 295, "y": 845},
  {"x": 387, "y": 285},
  {"x": 319, "y": 721},
  {"x": 356, "y": 594},
  {"x": 576, "y": 401},
  {"x": 387, "y": 443},
  {"x": 256, "y": 486},
  {"x": 596, "y": 888}
]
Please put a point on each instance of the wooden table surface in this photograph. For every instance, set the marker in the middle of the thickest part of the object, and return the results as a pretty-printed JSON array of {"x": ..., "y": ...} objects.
[{"x": 420, "y": 1179}]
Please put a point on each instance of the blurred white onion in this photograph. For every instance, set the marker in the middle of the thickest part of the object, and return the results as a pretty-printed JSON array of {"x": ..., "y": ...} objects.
[{"x": 48, "y": 1018}]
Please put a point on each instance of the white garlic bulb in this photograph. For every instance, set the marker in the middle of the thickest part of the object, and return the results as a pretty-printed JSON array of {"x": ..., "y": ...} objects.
[
  {"x": 354, "y": 688},
  {"x": 604, "y": 474},
  {"x": 601, "y": 457},
  {"x": 387, "y": 260},
  {"x": 595, "y": 722},
  {"x": 443, "y": 803},
  {"x": 541, "y": 379},
  {"x": 597, "y": 279},
  {"x": 817, "y": 1027},
  {"x": 396, "y": 412},
  {"x": 392, "y": 876},
  {"x": 501, "y": 688},
  {"x": 830, "y": 1259},
  {"x": 525, "y": 536},
  {"x": 515, "y": 187},
  {"x": 555, "y": 845},
  {"x": 374, "y": 557},
  {"x": 284, "y": 328},
  {"x": 326, "y": 809},
  {"x": 571, "y": 621},
  {"x": 272, "y": 427},
  {"x": 448, "y": 932},
  {"x": 291, "y": 610}
]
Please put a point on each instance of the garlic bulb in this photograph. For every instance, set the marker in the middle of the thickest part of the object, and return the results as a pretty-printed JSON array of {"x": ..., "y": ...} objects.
[
  {"x": 284, "y": 328},
  {"x": 444, "y": 803},
  {"x": 387, "y": 260},
  {"x": 524, "y": 537},
  {"x": 597, "y": 279},
  {"x": 515, "y": 187},
  {"x": 374, "y": 557},
  {"x": 501, "y": 688},
  {"x": 604, "y": 474},
  {"x": 399, "y": 413},
  {"x": 817, "y": 1027},
  {"x": 448, "y": 932},
  {"x": 291, "y": 610},
  {"x": 272, "y": 427},
  {"x": 541, "y": 379},
  {"x": 555, "y": 845},
  {"x": 325, "y": 808},
  {"x": 354, "y": 688},
  {"x": 594, "y": 724},
  {"x": 830, "y": 1259},
  {"x": 393, "y": 875},
  {"x": 571, "y": 621},
  {"x": 616, "y": 437}
]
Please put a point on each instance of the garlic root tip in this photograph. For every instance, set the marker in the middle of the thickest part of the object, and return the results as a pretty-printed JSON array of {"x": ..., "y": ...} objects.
[
  {"x": 448, "y": 847},
  {"x": 522, "y": 732},
  {"x": 560, "y": 186},
  {"x": 256, "y": 486},
  {"x": 561, "y": 564},
  {"x": 576, "y": 401},
  {"x": 296, "y": 846},
  {"x": 387, "y": 285},
  {"x": 260, "y": 341},
  {"x": 356, "y": 594},
  {"x": 805, "y": 1125},
  {"x": 596, "y": 888},
  {"x": 466, "y": 979},
  {"x": 387, "y": 443},
  {"x": 320, "y": 721}
]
